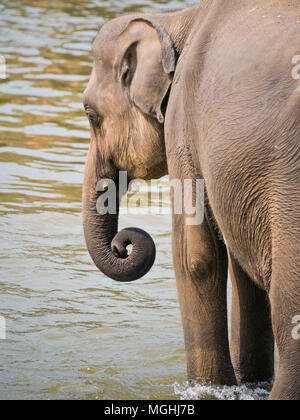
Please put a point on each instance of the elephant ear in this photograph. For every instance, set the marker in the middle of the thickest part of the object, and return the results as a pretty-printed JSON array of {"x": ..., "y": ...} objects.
[{"x": 148, "y": 65}]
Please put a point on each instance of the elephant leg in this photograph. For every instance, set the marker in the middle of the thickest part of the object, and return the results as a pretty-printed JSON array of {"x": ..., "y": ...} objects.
[
  {"x": 285, "y": 303},
  {"x": 285, "y": 285},
  {"x": 201, "y": 268},
  {"x": 252, "y": 338}
]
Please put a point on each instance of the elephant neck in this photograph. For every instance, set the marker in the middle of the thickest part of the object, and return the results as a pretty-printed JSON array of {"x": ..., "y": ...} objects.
[{"x": 180, "y": 24}]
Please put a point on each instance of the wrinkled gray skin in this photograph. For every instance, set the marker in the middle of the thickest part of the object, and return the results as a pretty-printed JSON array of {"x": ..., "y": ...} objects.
[{"x": 208, "y": 93}]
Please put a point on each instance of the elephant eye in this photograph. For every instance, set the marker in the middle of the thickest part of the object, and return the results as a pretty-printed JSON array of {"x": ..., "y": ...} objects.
[{"x": 94, "y": 117}]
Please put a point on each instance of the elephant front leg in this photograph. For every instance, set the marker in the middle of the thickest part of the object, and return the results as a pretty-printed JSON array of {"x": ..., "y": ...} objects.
[
  {"x": 201, "y": 268},
  {"x": 286, "y": 315},
  {"x": 285, "y": 304},
  {"x": 252, "y": 338}
]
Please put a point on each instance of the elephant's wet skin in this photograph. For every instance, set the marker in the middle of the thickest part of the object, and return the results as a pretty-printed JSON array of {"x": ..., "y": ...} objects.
[{"x": 208, "y": 92}]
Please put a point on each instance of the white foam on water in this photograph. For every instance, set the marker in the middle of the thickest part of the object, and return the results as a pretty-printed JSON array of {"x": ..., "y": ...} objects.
[{"x": 188, "y": 391}]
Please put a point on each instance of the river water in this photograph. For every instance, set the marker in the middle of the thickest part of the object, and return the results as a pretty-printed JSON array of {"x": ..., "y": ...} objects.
[{"x": 71, "y": 332}]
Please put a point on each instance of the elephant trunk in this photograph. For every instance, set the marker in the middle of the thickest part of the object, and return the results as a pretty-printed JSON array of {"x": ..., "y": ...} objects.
[{"x": 107, "y": 247}]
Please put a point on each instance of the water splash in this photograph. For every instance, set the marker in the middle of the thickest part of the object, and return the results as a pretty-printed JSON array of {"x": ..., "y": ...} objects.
[{"x": 196, "y": 392}]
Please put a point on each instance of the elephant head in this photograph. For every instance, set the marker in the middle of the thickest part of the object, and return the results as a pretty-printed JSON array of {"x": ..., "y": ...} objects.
[{"x": 125, "y": 102}]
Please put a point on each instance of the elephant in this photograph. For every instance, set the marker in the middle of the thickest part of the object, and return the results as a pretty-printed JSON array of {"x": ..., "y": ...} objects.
[{"x": 209, "y": 92}]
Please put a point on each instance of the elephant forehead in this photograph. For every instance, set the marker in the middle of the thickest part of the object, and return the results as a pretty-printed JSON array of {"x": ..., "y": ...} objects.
[
  {"x": 104, "y": 51},
  {"x": 102, "y": 92},
  {"x": 103, "y": 74}
]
